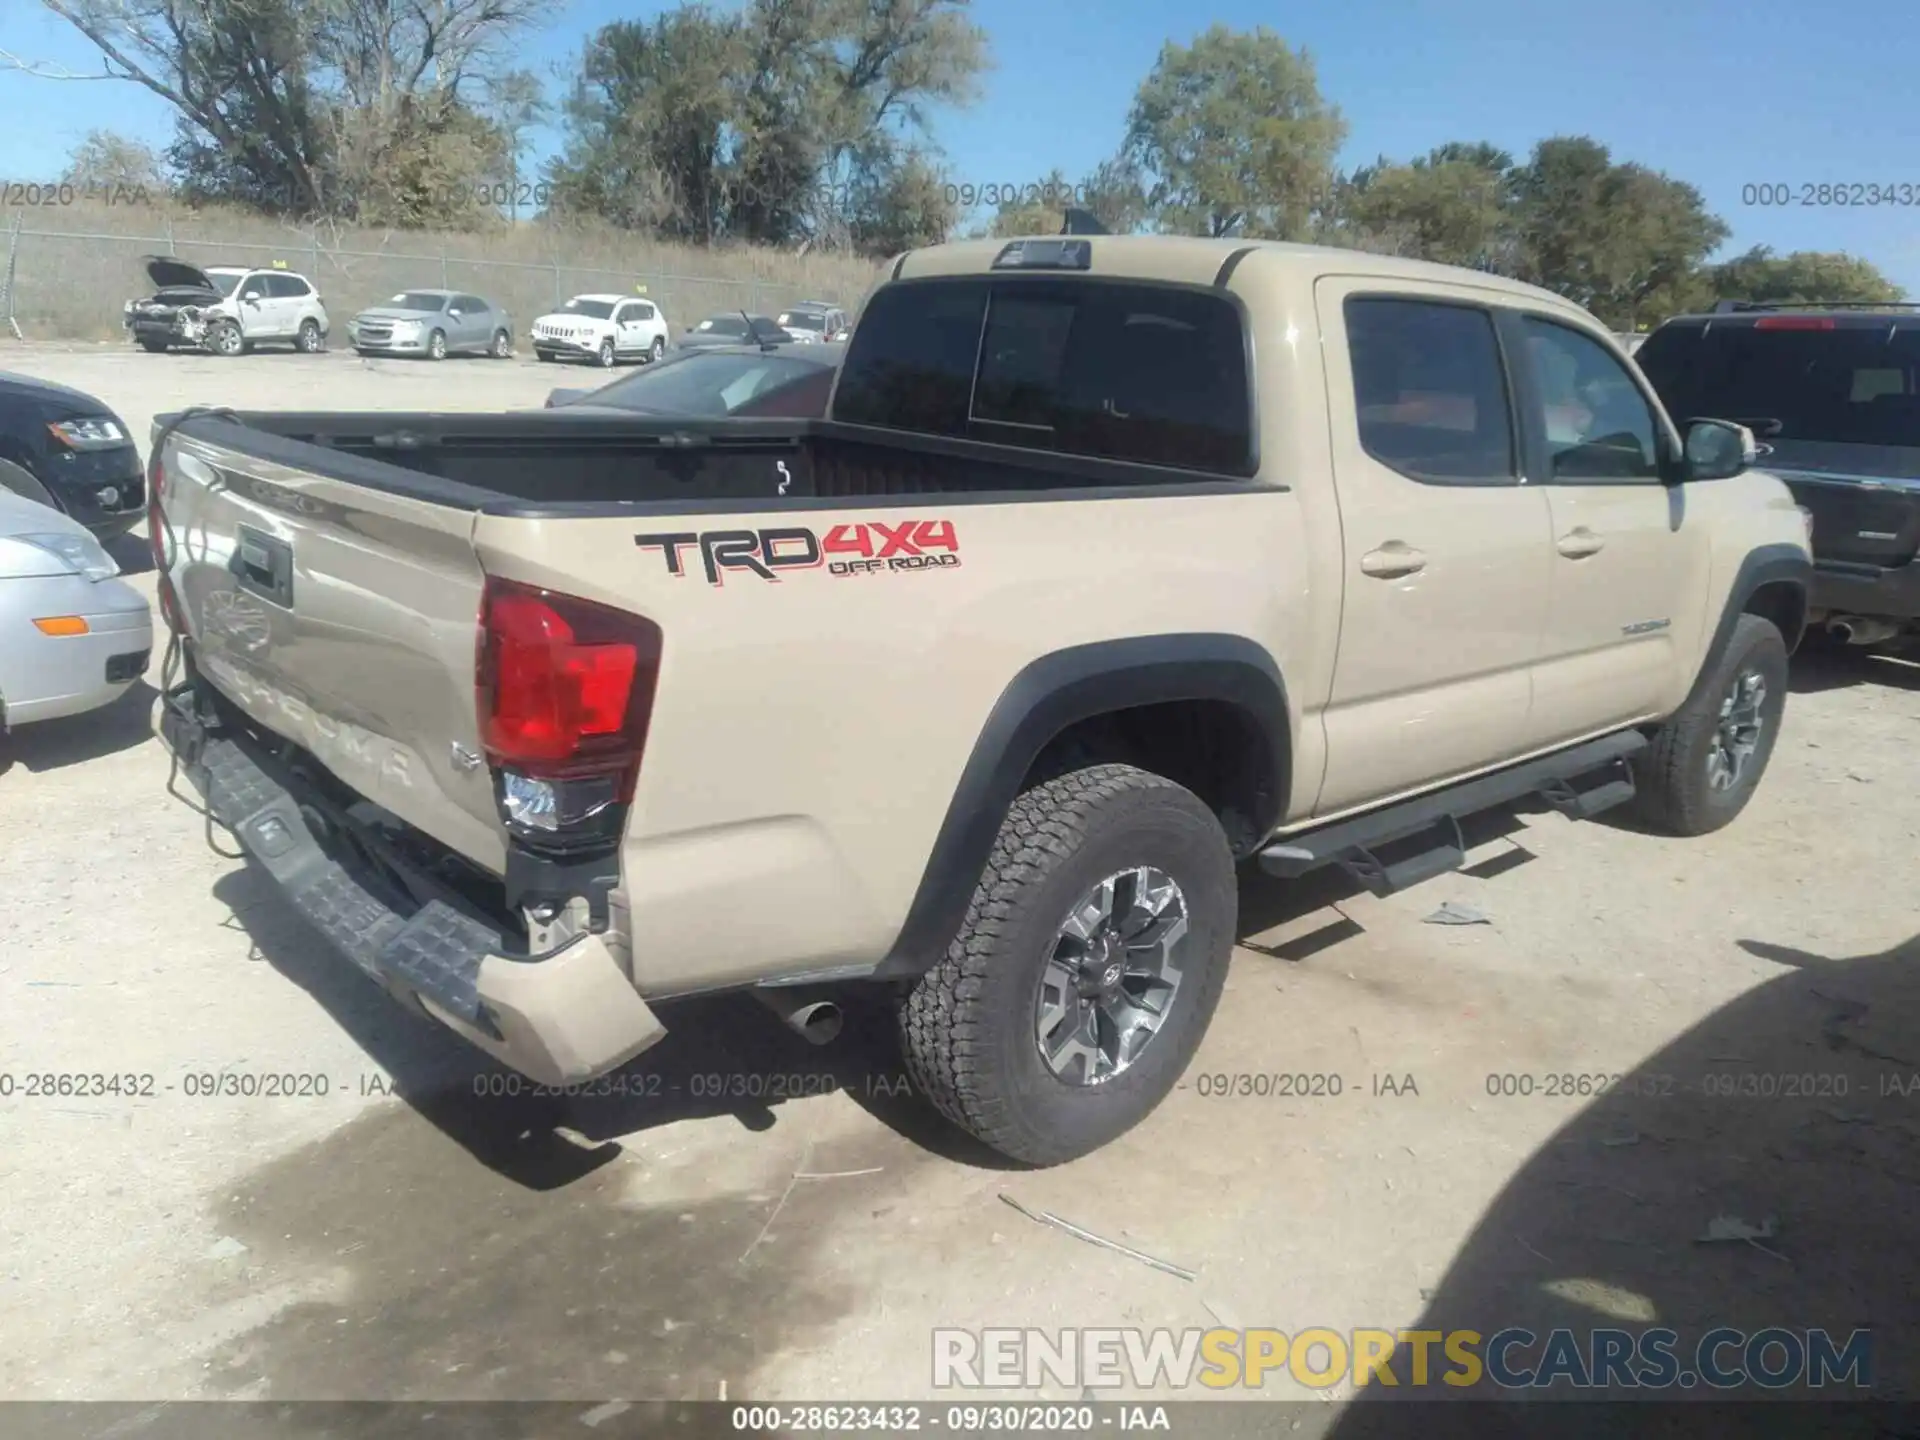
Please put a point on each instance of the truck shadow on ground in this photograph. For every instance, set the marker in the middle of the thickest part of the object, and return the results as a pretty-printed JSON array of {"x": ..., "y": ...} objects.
[
  {"x": 1269, "y": 904},
  {"x": 56, "y": 744},
  {"x": 723, "y": 1055},
  {"x": 1795, "y": 1110},
  {"x": 1830, "y": 667},
  {"x": 131, "y": 552}
]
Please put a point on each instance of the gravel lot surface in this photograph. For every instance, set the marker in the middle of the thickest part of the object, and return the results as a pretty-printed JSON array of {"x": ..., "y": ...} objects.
[{"x": 787, "y": 1223}]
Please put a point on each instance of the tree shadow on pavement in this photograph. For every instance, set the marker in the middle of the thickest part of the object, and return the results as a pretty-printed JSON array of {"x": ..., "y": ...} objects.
[
  {"x": 722, "y": 1055},
  {"x": 1794, "y": 1109}
]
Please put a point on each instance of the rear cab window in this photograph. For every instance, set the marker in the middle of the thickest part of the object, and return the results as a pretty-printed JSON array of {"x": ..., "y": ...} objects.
[
  {"x": 1826, "y": 379},
  {"x": 1104, "y": 369},
  {"x": 1430, "y": 390}
]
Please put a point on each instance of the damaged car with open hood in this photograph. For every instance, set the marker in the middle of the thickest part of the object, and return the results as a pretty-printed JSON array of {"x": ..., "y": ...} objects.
[{"x": 226, "y": 309}]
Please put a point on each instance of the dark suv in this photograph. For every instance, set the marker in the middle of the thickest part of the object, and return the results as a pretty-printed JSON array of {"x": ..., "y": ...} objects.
[
  {"x": 1834, "y": 390},
  {"x": 64, "y": 448}
]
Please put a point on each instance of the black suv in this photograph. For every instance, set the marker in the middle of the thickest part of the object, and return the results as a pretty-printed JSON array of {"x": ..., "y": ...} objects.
[
  {"x": 1834, "y": 390},
  {"x": 64, "y": 448}
]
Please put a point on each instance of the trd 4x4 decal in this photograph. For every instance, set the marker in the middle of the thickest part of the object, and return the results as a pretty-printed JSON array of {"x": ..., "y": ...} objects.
[{"x": 870, "y": 549}]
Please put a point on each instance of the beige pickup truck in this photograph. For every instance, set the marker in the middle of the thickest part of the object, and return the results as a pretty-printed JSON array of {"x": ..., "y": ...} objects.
[{"x": 1115, "y": 561}]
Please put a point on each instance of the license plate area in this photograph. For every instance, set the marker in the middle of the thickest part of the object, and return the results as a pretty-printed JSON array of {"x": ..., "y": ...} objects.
[{"x": 263, "y": 566}]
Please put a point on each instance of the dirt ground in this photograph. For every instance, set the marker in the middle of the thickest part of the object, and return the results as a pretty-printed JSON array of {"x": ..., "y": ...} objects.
[{"x": 404, "y": 1237}]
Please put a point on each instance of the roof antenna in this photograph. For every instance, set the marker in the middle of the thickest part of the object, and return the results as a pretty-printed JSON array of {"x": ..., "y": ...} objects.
[{"x": 1082, "y": 222}]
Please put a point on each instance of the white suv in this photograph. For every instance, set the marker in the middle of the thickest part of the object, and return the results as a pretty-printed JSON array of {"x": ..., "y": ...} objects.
[
  {"x": 603, "y": 328},
  {"x": 813, "y": 322},
  {"x": 226, "y": 308}
]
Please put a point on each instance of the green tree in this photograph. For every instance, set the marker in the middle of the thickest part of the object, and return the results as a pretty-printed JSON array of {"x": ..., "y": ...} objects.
[
  {"x": 650, "y": 124},
  {"x": 906, "y": 206},
  {"x": 1798, "y": 278},
  {"x": 1232, "y": 136},
  {"x": 113, "y": 161},
  {"x": 789, "y": 121},
  {"x": 1624, "y": 241},
  {"x": 1039, "y": 210},
  {"x": 1453, "y": 211}
]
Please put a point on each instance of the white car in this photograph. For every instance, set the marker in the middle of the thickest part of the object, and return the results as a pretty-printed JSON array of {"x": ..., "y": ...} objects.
[
  {"x": 73, "y": 635},
  {"x": 226, "y": 308},
  {"x": 603, "y": 328},
  {"x": 814, "y": 322}
]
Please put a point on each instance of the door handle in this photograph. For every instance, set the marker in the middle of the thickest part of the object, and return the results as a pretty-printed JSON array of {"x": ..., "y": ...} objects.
[
  {"x": 1579, "y": 542},
  {"x": 1392, "y": 560}
]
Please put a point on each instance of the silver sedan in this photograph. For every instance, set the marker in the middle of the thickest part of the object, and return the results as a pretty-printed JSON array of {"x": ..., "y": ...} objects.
[
  {"x": 433, "y": 323},
  {"x": 73, "y": 636}
]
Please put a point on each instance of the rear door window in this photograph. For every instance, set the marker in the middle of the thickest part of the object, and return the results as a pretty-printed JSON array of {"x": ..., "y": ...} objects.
[
  {"x": 1430, "y": 391},
  {"x": 1144, "y": 373},
  {"x": 1852, "y": 383}
]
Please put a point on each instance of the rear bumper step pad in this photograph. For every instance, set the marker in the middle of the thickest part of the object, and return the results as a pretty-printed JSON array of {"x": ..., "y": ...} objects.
[
  {"x": 561, "y": 1019},
  {"x": 436, "y": 951}
]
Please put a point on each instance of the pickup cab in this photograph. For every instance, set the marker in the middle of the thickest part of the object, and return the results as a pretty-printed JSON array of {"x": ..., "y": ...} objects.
[{"x": 1115, "y": 561}]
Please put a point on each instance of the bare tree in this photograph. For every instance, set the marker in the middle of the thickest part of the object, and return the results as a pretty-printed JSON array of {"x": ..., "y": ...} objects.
[{"x": 319, "y": 106}]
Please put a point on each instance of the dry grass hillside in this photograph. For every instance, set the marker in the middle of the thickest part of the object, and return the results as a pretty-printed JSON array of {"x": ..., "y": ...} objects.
[{"x": 76, "y": 263}]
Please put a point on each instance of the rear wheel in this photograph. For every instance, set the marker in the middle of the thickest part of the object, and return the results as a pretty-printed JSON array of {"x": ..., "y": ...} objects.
[
  {"x": 1087, "y": 969},
  {"x": 307, "y": 342},
  {"x": 502, "y": 345},
  {"x": 657, "y": 349},
  {"x": 605, "y": 356},
  {"x": 1706, "y": 761}
]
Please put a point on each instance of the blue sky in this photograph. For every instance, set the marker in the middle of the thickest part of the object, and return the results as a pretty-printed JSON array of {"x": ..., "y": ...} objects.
[{"x": 1721, "y": 93}]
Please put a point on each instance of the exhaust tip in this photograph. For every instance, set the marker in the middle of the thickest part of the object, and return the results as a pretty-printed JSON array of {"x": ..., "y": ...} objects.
[{"x": 818, "y": 1023}]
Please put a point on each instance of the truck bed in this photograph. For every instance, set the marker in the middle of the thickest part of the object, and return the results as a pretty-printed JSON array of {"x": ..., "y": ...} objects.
[{"x": 536, "y": 463}]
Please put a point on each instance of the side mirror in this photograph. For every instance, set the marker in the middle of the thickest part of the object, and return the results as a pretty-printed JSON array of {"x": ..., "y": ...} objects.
[{"x": 1719, "y": 449}]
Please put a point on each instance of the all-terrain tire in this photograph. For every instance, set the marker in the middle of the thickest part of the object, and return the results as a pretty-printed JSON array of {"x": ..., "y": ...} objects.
[
  {"x": 968, "y": 1028},
  {"x": 1674, "y": 791}
]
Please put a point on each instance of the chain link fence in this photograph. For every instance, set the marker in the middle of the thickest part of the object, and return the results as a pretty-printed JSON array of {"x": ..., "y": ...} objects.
[{"x": 73, "y": 283}]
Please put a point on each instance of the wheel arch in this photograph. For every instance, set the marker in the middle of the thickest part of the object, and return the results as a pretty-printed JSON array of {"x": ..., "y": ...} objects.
[
  {"x": 1772, "y": 582},
  {"x": 1144, "y": 699}
]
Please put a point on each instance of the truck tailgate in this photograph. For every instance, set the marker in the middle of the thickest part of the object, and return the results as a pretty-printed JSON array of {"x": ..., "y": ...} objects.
[{"x": 342, "y": 618}]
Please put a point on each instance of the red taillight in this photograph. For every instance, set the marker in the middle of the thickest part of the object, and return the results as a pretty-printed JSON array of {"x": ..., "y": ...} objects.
[
  {"x": 565, "y": 685},
  {"x": 1794, "y": 322}
]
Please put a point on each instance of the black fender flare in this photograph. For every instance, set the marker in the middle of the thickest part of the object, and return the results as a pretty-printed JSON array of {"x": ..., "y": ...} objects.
[
  {"x": 1045, "y": 698},
  {"x": 1765, "y": 565},
  {"x": 22, "y": 482}
]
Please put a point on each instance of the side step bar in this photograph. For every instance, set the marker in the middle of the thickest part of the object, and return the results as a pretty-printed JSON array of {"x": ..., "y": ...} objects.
[{"x": 1392, "y": 849}]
